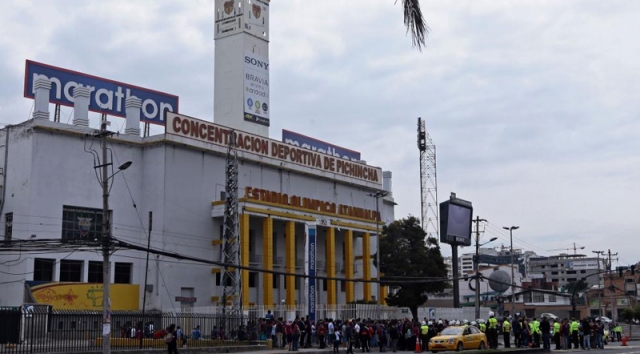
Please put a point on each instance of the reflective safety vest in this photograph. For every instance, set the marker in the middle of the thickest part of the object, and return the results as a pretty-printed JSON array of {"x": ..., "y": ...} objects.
[
  {"x": 483, "y": 327},
  {"x": 493, "y": 323},
  {"x": 424, "y": 329},
  {"x": 556, "y": 328},
  {"x": 506, "y": 326},
  {"x": 536, "y": 326},
  {"x": 575, "y": 326},
  {"x": 617, "y": 329}
]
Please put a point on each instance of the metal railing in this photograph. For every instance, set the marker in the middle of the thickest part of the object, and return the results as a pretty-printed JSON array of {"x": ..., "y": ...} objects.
[{"x": 42, "y": 330}]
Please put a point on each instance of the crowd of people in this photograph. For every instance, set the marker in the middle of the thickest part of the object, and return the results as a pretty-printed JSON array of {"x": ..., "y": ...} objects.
[{"x": 401, "y": 335}]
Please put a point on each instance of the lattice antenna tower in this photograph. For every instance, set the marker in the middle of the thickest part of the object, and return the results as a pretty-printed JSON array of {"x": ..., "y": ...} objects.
[
  {"x": 428, "y": 182},
  {"x": 231, "y": 281}
]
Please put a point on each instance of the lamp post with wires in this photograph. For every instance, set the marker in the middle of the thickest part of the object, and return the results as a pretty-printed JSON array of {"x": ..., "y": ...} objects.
[
  {"x": 377, "y": 195},
  {"x": 104, "y": 134},
  {"x": 513, "y": 279},
  {"x": 477, "y": 263}
]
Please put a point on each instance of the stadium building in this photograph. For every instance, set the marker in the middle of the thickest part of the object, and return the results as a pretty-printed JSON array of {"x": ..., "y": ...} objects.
[{"x": 49, "y": 190}]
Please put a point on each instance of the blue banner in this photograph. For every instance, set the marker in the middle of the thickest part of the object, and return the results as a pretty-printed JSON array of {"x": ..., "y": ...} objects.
[
  {"x": 312, "y": 273},
  {"x": 107, "y": 96},
  {"x": 305, "y": 142}
]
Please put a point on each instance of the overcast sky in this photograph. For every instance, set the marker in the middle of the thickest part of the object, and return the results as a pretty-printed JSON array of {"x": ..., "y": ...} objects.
[{"x": 533, "y": 105}]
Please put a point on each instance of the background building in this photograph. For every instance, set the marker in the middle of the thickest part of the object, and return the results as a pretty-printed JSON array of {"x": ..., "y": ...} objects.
[{"x": 50, "y": 191}]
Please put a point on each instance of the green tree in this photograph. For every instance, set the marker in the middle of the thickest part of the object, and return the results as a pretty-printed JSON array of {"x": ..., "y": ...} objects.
[
  {"x": 412, "y": 268},
  {"x": 414, "y": 22},
  {"x": 575, "y": 287}
]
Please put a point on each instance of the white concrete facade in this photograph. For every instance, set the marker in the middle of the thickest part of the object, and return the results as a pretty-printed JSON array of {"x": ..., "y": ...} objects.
[{"x": 46, "y": 167}]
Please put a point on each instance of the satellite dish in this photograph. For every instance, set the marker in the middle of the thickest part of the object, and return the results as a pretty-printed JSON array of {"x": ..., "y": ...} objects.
[{"x": 499, "y": 281}]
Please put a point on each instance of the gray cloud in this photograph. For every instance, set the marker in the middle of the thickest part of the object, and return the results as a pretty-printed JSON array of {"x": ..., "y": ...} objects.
[{"x": 533, "y": 105}]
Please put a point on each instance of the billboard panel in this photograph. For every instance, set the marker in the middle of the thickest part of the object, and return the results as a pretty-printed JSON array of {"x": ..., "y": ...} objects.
[
  {"x": 83, "y": 296},
  {"x": 455, "y": 222},
  {"x": 303, "y": 141},
  {"x": 256, "y": 89},
  {"x": 583, "y": 265},
  {"x": 107, "y": 96}
]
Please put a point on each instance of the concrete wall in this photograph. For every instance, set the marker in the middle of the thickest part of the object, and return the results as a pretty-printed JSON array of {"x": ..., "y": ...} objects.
[{"x": 49, "y": 168}]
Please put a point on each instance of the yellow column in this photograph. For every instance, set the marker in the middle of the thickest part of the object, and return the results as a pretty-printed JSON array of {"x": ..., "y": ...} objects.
[
  {"x": 267, "y": 262},
  {"x": 348, "y": 265},
  {"x": 366, "y": 265},
  {"x": 290, "y": 255},
  {"x": 244, "y": 258},
  {"x": 383, "y": 294},
  {"x": 330, "y": 256}
]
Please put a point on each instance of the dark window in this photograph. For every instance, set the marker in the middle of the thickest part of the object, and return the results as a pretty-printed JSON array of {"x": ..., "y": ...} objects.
[
  {"x": 43, "y": 269},
  {"x": 538, "y": 297},
  {"x": 95, "y": 272},
  {"x": 122, "y": 274},
  {"x": 343, "y": 286},
  {"x": 8, "y": 227},
  {"x": 628, "y": 280},
  {"x": 217, "y": 279},
  {"x": 324, "y": 284},
  {"x": 583, "y": 271},
  {"x": 571, "y": 272},
  {"x": 71, "y": 270},
  {"x": 298, "y": 282},
  {"x": 554, "y": 273},
  {"x": 81, "y": 223},
  {"x": 572, "y": 279},
  {"x": 253, "y": 279},
  {"x": 276, "y": 280}
]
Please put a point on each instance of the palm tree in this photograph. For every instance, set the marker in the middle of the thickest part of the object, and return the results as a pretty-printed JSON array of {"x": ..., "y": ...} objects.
[{"x": 415, "y": 23}]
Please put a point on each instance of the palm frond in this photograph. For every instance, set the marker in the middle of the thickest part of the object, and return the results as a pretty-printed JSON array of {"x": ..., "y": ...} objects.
[{"x": 415, "y": 23}]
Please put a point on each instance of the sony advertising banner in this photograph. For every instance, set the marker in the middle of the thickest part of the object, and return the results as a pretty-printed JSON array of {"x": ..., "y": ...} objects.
[
  {"x": 305, "y": 142},
  {"x": 311, "y": 272},
  {"x": 256, "y": 89},
  {"x": 107, "y": 96}
]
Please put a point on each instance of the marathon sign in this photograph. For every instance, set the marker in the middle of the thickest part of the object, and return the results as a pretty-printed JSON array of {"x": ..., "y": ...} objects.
[
  {"x": 184, "y": 126},
  {"x": 313, "y": 144},
  {"x": 311, "y": 272},
  {"x": 107, "y": 96}
]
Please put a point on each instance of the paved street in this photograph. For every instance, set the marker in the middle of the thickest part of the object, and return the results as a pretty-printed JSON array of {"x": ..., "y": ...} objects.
[{"x": 611, "y": 348}]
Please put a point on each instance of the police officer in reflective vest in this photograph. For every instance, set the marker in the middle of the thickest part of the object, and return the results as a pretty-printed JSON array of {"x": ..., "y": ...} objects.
[
  {"x": 536, "y": 332},
  {"x": 574, "y": 329},
  {"x": 492, "y": 331},
  {"x": 556, "y": 333},
  {"x": 506, "y": 332},
  {"x": 424, "y": 333}
]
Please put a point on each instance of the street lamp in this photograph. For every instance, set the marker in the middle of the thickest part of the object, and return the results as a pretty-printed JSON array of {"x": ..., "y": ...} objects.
[
  {"x": 106, "y": 249},
  {"x": 513, "y": 280},
  {"x": 377, "y": 195},
  {"x": 599, "y": 288},
  {"x": 477, "y": 264}
]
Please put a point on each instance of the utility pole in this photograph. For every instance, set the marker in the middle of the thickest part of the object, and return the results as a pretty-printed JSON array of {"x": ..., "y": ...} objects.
[
  {"x": 106, "y": 241},
  {"x": 614, "y": 315},
  {"x": 599, "y": 287},
  {"x": 513, "y": 279},
  {"x": 477, "y": 265},
  {"x": 377, "y": 195},
  {"x": 146, "y": 273},
  {"x": 103, "y": 134}
]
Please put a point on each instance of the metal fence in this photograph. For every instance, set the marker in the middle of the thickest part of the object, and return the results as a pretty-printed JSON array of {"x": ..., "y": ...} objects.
[
  {"x": 347, "y": 311},
  {"x": 42, "y": 330}
]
